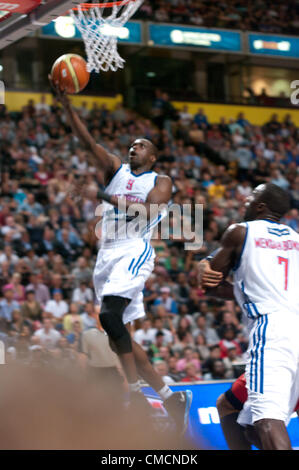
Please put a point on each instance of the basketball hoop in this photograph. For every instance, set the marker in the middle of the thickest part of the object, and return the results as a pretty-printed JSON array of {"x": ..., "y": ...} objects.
[{"x": 100, "y": 34}]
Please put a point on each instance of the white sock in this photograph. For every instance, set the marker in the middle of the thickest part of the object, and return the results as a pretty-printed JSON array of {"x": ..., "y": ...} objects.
[
  {"x": 165, "y": 392},
  {"x": 135, "y": 387}
]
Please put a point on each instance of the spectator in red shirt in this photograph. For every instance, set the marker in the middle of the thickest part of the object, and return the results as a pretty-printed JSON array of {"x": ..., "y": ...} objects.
[
  {"x": 229, "y": 340},
  {"x": 191, "y": 373}
]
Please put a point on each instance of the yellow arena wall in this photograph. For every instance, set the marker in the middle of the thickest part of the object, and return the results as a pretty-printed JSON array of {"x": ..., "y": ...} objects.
[
  {"x": 257, "y": 115},
  {"x": 15, "y": 100}
]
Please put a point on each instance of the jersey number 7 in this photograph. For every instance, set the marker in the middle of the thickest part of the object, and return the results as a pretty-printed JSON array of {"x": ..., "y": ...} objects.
[{"x": 286, "y": 269}]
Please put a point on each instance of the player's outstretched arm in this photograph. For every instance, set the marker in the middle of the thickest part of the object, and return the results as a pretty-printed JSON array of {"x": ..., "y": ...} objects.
[{"x": 107, "y": 162}]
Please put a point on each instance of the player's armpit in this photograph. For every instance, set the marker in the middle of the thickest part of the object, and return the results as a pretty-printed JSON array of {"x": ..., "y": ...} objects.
[{"x": 230, "y": 249}]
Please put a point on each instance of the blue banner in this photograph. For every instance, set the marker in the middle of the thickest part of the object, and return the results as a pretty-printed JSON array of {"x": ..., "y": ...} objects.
[
  {"x": 204, "y": 426},
  {"x": 63, "y": 27},
  {"x": 267, "y": 44},
  {"x": 186, "y": 37}
]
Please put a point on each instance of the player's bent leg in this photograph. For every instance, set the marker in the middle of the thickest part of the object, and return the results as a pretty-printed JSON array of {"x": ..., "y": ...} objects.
[
  {"x": 177, "y": 404},
  {"x": 273, "y": 434},
  {"x": 234, "y": 433},
  {"x": 112, "y": 322},
  {"x": 145, "y": 369},
  {"x": 252, "y": 436},
  {"x": 224, "y": 407}
]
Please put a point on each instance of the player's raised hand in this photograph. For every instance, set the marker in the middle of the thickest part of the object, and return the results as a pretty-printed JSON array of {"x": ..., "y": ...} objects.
[
  {"x": 208, "y": 278},
  {"x": 59, "y": 93}
]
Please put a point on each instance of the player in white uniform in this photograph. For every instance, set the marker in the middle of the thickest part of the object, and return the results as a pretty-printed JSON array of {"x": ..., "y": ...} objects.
[
  {"x": 126, "y": 257},
  {"x": 264, "y": 255}
]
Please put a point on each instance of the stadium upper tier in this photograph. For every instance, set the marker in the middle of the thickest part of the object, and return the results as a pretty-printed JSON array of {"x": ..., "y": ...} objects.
[{"x": 262, "y": 15}]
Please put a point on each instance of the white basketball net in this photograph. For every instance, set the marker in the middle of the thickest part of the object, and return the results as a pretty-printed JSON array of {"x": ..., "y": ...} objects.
[{"x": 100, "y": 34}]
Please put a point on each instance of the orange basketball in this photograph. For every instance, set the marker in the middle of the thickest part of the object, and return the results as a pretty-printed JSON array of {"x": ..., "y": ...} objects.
[{"x": 70, "y": 72}]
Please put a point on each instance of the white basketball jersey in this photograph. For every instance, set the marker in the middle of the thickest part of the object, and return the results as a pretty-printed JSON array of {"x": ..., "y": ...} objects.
[
  {"x": 267, "y": 278},
  {"x": 118, "y": 226}
]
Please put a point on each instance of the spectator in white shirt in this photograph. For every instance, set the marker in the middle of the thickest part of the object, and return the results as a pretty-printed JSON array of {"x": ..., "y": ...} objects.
[
  {"x": 82, "y": 294},
  {"x": 244, "y": 189},
  {"x": 158, "y": 326},
  {"x": 83, "y": 110},
  {"x": 269, "y": 152},
  {"x": 12, "y": 228},
  {"x": 185, "y": 116},
  {"x": 42, "y": 106},
  {"x": 57, "y": 306},
  {"x": 144, "y": 335},
  {"x": 79, "y": 162},
  {"x": 47, "y": 336},
  {"x": 8, "y": 256}
]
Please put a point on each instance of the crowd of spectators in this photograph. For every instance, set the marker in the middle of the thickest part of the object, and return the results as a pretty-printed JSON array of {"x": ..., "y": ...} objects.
[
  {"x": 261, "y": 15},
  {"x": 48, "y": 244}
]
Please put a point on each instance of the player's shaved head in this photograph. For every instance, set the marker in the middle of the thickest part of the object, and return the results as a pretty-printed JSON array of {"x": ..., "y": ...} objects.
[
  {"x": 268, "y": 200},
  {"x": 151, "y": 147},
  {"x": 143, "y": 154},
  {"x": 154, "y": 149},
  {"x": 275, "y": 198}
]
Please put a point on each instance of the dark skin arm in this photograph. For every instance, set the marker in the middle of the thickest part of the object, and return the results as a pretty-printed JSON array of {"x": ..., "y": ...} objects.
[
  {"x": 230, "y": 249},
  {"x": 224, "y": 291},
  {"x": 225, "y": 259},
  {"x": 98, "y": 155}
]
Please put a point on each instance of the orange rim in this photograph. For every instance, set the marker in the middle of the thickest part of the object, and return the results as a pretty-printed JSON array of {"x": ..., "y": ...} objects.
[{"x": 88, "y": 6}]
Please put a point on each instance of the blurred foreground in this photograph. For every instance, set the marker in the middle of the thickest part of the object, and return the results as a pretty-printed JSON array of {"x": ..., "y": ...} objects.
[{"x": 45, "y": 409}]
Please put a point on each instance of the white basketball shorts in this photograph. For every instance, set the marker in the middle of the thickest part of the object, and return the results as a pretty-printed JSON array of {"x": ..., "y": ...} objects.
[
  {"x": 121, "y": 270},
  {"x": 272, "y": 375}
]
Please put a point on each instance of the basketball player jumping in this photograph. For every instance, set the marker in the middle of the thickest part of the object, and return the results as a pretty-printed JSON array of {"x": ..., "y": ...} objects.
[
  {"x": 126, "y": 258},
  {"x": 264, "y": 255}
]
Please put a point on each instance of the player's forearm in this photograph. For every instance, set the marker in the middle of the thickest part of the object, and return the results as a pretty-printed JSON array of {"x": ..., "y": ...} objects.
[
  {"x": 225, "y": 291},
  {"x": 97, "y": 155},
  {"x": 79, "y": 128},
  {"x": 139, "y": 208}
]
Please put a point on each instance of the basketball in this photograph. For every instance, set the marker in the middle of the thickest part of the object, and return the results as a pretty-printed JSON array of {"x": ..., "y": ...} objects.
[{"x": 71, "y": 73}]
